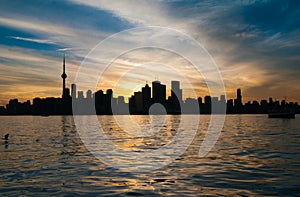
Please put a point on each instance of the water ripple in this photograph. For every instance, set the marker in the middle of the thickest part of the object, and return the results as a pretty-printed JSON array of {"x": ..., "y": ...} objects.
[{"x": 255, "y": 156}]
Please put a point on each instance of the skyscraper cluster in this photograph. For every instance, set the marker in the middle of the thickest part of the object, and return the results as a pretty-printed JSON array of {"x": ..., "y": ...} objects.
[{"x": 140, "y": 102}]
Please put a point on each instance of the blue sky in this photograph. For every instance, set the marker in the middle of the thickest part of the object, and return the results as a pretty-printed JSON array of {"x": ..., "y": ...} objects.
[{"x": 256, "y": 44}]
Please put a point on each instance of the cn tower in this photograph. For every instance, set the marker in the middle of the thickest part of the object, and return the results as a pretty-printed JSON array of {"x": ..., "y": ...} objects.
[{"x": 64, "y": 76}]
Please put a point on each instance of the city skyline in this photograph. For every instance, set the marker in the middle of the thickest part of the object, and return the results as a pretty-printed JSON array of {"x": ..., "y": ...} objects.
[
  {"x": 140, "y": 102},
  {"x": 255, "y": 44},
  {"x": 66, "y": 91}
]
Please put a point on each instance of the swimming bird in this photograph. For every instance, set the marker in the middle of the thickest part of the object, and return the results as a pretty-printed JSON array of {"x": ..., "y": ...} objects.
[{"x": 5, "y": 137}]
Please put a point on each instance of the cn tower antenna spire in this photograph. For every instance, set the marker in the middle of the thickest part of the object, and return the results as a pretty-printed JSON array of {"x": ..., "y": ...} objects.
[{"x": 64, "y": 64}]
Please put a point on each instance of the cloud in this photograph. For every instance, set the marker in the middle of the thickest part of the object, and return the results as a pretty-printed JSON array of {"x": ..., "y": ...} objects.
[
  {"x": 67, "y": 49},
  {"x": 33, "y": 40},
  {"x": 137, "y": 12},
  {"x": 35, "y": 25},
  {"x": 255, "y": 43}
]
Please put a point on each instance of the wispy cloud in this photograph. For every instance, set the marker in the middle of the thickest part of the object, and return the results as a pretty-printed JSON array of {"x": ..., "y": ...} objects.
[
  {"x": 36, "y": 25},
  {"x": 41, "y": 41},
  {"x": 66, "y": 49},
  {"x": 137, "y": 12}
]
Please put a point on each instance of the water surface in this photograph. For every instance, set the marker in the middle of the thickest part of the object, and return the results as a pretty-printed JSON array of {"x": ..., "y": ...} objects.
[{"x": 254, "y": 156}]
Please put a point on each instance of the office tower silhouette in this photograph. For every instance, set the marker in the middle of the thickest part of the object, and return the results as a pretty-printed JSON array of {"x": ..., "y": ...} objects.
[
  {"x": 239, "y": 95},
  {"x": 89, "y": 94},
  {"x": 176, "y": 91},
  {"x": 175, "y": 100},
  {"x": 73, "y": 91},
  {"x": 108, "y": 101},
  {"x": 158, "y": 92},
  {"x": 80, "y": 95},
  {"x": 238, "y": 101},
  {"x": 146, "y": 94},
  {"x": 121, "y": 100},
  {"x": 207, "y": 100},
  {"x": 138, "y": 100}
]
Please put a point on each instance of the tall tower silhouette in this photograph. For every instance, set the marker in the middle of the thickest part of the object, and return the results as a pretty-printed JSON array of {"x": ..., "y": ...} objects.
[
  {"x": 65, "y": 91},
  {"x": 239, "y": 96}
]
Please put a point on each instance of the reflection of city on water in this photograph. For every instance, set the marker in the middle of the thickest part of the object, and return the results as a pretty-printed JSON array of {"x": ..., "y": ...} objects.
[{"x": 253, "y": 156}]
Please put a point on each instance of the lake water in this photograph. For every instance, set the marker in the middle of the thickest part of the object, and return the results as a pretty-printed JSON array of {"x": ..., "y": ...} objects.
[{"x": 254, "y": 156}]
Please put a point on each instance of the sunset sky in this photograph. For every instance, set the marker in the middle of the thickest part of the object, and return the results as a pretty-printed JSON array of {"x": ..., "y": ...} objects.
[{"x": 256, "y": 44}]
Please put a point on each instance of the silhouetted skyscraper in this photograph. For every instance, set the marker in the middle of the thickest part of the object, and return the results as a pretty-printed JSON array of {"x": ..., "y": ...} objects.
[
  {"x": 108, "y": 101},
  {"x": 138, "y": 100},
  {"x": 239, "y": 95},
  {"x": 158, "y": 92},
  {"x": 121, "y": 100},
  {"x": 109, "y": 93},
  {"x": 175, "y": 100},
  {"x": 80, "y": 95},
  {"x": 238, "y": 100},
  {"x": 238, "y": 103},
  {"x": 146, "y": 94},
  {"x": 89, "y": 94},
  {"x": 270, "y": 101},
  {"x": 200, "y": 100},
  {"x": 222, "y": 104},
  {"x": 121, "y": 106},
  {"x": 73, "y": 91},
  {"x": 214, "y": 100},
  {"x": 222, "y": 99},
  {"x": 176, "y": 91},
  {"x": 207, "y": 100},
  {"x": 206, "y": 108}
]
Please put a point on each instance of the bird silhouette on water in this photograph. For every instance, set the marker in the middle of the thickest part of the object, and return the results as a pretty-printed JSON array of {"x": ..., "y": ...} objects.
[{"x": 5, "y": 137}]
